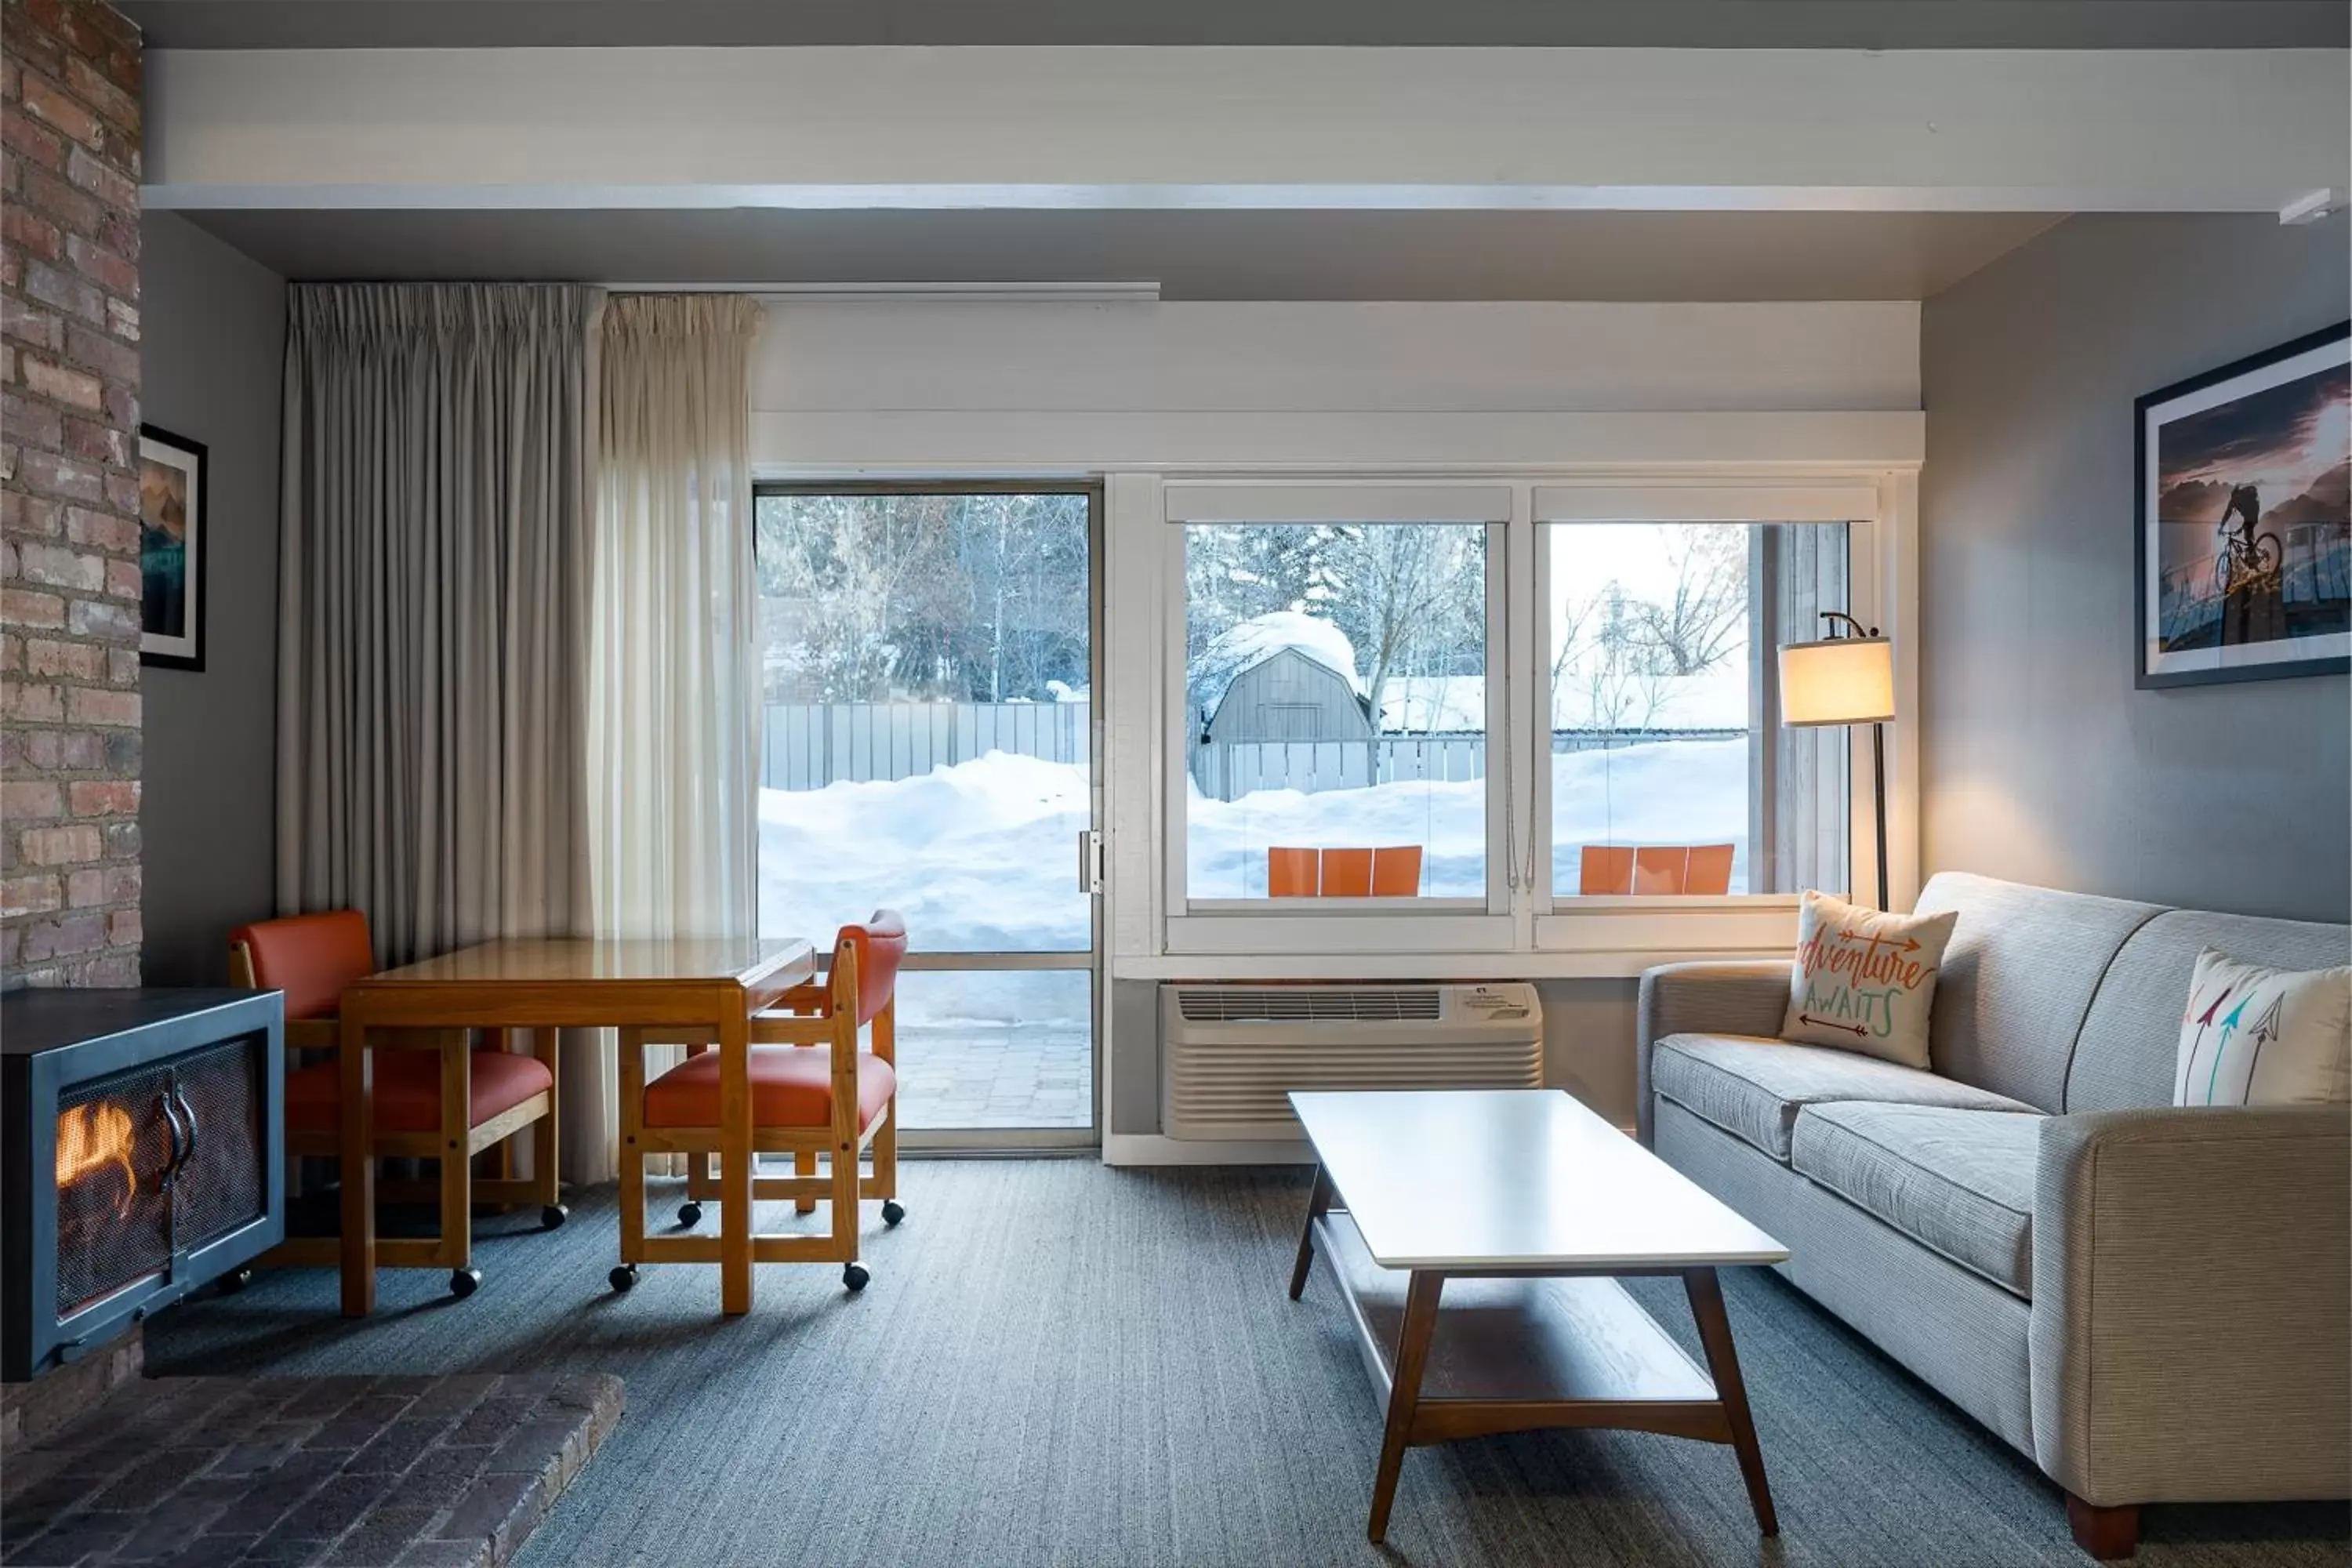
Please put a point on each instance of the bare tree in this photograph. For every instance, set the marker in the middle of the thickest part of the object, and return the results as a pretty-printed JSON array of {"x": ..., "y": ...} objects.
[{"x": 1703, "y": 619}]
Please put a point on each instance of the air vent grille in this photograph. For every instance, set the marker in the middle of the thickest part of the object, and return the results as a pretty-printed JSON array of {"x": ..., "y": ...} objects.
[{"x": 1308, "y": 1004}]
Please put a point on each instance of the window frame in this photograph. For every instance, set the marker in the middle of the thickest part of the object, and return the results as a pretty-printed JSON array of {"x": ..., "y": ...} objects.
[
  {"x": 1600, "y": 924},
  {"x": 1244, "y": 926}
]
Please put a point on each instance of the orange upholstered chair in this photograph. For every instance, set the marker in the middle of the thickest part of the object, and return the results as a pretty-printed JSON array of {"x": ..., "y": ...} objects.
[
  {"x": 1391, "y": 872},
  {"x": 1655, "y": 871},
  {"x": 431, "y": 1103},
  {"x": 812, "y": 1091}
]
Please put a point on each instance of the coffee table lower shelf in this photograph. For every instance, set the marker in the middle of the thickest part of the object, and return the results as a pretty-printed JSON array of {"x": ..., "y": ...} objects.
[{"x": 1470, "y": 1353}]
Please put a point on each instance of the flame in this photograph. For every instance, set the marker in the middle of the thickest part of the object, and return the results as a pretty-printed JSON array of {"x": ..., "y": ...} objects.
[{"x": 92, "y": 1138}]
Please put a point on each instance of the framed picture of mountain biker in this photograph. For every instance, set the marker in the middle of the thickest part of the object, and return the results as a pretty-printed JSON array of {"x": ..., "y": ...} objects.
[{"x": 2245, "y": 518}]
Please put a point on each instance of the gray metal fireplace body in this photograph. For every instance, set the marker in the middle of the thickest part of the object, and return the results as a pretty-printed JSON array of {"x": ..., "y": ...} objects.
[{"x": 144, "y": 1141}]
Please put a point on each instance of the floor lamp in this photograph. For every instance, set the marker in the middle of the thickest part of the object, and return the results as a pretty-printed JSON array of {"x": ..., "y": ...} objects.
[{"x": 1845, "y": 681}]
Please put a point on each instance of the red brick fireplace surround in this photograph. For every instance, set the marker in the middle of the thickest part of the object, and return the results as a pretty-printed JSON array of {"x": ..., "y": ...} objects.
[{"x": 69, "y": 752}]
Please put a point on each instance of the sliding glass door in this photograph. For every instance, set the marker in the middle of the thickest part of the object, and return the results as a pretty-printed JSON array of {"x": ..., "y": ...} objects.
[{"x": 928, "y": 746}]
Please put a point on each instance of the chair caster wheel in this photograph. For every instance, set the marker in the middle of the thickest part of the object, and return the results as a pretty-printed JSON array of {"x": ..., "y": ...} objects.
[
  {"x": 623, "y": 1276},
  {"x": 689, "y": 1215},
  {"x": 853, "y": 1277},
  {"x": 464, "y": 1282},
  {"x": 235, "y": 1279},
  {"x": 552, "y": 1217},
  {"x": 893, "y": 1211}
]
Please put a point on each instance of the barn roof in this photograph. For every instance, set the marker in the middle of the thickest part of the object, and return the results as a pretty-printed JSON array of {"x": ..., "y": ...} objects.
[{"x": 1247, "y": 643}]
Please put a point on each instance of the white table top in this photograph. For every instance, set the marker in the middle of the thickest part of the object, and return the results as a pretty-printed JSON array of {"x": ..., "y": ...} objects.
[{"x": 1514, "y": 1178}]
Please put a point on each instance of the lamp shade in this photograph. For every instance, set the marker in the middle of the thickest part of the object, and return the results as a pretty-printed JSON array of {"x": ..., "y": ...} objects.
[{"x": 1839, "y": 681}]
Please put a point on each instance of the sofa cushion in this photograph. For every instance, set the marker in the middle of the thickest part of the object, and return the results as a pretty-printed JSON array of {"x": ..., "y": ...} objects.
[
  {"x": 1754, "y": 1087},
  {"x": 2129, "y": 1051},
  {"x": 1961, "y": 1181},
  {"x": 2017, "y": 979}
]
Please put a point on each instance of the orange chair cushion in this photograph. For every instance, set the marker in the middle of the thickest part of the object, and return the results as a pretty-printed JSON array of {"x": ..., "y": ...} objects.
[
  {"x": 408, "y": 1091},
  {"x": 1292, "y": 873},
  {"x": 1605, "y": 868},
  {"x": 1396, "y": 871},
  {"x": 309, "y": 957},
  {"x": 1347, "y": 873},
  {"x": 792, "y": 1086}
]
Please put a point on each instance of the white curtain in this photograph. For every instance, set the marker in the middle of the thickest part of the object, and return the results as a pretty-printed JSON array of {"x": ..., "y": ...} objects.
[
  {"x": 432, "y": 560},
  {"x": 674, "y": 672}
]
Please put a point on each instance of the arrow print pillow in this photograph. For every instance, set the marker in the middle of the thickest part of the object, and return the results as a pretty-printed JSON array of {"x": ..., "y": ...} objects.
[
  {"x": 2263, "y": 1036},
  {"x": 1864, "y": 979}
]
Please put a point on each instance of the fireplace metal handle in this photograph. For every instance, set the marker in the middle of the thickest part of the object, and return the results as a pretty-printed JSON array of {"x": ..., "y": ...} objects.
[
  {"x": 170, "y": 1096},
  {"x": 188, "y": 1111}
]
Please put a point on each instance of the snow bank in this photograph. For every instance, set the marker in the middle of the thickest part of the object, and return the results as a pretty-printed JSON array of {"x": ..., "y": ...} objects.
[{"x": 983, "y": 856}]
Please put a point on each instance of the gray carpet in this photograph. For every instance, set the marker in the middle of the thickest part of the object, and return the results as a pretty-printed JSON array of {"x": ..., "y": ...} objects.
[{"x": 1058, "y": 1363}]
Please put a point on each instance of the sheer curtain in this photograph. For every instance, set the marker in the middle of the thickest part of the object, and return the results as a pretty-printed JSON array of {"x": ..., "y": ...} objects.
[
  {"x": 673, "y": 698},
  {"x": 432, "y": 642}
]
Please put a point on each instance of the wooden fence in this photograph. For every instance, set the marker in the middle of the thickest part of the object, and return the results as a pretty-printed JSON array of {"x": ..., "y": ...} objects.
[{"x": 808, "y": 745}]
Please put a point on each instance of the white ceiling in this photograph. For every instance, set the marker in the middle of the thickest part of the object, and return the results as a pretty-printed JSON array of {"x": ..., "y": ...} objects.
[
  {"x": 1191, "y": 255},
  {"x": 1654, "y": 23}
]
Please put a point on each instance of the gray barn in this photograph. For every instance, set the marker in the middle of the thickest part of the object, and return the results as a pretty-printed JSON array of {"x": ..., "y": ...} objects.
[{"x": 1286, "y": 695}]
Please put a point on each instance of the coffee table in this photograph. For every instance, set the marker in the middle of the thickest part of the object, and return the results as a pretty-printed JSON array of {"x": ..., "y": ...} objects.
[{"x": 1533, "y": 1206}]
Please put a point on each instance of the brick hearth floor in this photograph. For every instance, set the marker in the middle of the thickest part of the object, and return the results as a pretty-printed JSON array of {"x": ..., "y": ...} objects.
[{"x": 407, "y": 1472}]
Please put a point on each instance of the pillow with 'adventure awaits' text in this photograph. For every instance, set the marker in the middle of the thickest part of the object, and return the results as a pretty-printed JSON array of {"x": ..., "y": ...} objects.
[{"x": 1864, "y": 979}]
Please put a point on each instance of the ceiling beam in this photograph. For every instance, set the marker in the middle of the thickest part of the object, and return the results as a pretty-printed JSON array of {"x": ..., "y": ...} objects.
[{"x": 2236, "y": 130}]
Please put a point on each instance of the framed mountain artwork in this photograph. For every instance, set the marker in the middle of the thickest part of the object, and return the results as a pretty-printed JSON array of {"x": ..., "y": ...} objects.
[
  {"x": 2244, "y": 520},
  {"x": 173, "y": 547}
]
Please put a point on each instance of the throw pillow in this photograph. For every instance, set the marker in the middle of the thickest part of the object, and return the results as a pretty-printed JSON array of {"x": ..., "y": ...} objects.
[
  {"x": 1864, "y": 979},
  {"x": 2264, "y": 1036}
]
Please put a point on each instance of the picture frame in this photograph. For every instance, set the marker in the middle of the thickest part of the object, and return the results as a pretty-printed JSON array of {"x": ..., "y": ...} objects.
[
  {"x": 2241, "y": 526},
  {"x": 174, "y": 549}
]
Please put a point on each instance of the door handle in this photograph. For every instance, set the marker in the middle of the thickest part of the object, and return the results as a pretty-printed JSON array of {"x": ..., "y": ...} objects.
[{"x": 1090, "y": 861}]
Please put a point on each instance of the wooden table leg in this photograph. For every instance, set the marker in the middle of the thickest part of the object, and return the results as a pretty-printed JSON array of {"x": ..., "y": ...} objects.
[
  {"x": 1404, "y": 1393},
  {"x": 457, "y": 1051},
  {"x": 358, "y": 1160},
  {"x": 1318, "y": 1204},
  {"x": 735, "y": 1219},
  {"x": 1723, "y": 1366}
]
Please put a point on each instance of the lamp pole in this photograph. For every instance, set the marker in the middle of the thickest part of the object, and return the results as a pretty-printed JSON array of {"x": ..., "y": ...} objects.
[{"x": 1878, "y": 754}]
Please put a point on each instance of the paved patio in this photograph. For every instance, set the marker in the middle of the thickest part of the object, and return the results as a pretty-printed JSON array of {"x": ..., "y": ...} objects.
[{"x": 978, "y": 1077}]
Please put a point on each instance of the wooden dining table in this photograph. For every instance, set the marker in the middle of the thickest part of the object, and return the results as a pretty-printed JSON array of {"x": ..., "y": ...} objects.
[{"x": 701, "y": 987}]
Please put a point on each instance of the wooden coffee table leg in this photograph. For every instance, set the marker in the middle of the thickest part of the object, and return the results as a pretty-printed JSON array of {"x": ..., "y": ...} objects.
[
  {"x": 1723, "y": 1366},
  {"x": 1404, "y": 1392},
  {"x": 1318, "y": 1203}
]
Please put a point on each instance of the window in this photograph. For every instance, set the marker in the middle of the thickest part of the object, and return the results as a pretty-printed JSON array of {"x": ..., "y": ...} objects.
[
  {"x": 928, "y": 746},
  {"x": 1670, "y": 774},
  {"x": 1336, "y": 707}
]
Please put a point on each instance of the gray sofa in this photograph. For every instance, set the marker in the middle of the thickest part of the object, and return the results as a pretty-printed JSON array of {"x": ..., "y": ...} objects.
[{"x": 2153, "y": 1304}]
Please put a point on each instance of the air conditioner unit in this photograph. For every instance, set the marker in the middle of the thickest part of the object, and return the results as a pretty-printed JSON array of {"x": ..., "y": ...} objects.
[{"x": 1228, "y": 1054}]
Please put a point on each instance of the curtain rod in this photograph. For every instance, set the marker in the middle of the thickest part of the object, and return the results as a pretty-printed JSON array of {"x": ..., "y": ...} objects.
[{"x": 1029, "y": 293}]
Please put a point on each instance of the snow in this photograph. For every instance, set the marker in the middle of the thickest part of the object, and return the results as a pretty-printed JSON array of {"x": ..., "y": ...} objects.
[
  {"x": 1433, "y": 705},
  {"x": 982, "y": 856},
  {"x": 1714, "y": 699},
  {"x": 1254, "y": 641}
]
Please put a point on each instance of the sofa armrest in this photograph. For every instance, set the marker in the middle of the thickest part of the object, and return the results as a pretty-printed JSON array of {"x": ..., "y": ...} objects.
[
  {"x": 2192, "y": 1303},
  {"x": 1704, "y": 998}
]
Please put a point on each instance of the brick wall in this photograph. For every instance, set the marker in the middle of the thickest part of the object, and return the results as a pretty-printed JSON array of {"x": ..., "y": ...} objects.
[{"x": 68, "y": 494}]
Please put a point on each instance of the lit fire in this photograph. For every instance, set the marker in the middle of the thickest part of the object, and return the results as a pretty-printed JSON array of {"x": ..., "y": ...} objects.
[{"x": 92, "y": 1138}]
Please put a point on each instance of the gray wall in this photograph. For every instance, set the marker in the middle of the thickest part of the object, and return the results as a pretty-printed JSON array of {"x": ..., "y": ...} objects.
[
  {"x": 212, "y": 348},
  {"x": 2041, "y": 762}
]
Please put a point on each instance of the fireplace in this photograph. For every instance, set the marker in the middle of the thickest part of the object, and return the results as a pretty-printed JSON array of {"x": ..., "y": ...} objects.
[{"x": 145, "y": 1140}]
